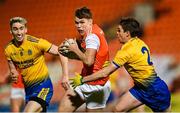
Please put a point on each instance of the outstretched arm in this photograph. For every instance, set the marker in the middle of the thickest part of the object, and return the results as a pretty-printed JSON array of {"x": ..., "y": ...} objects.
[
  {"x": 78, "y": 80},
  {"x": 100, "y": 74},
  {"x": 64, "y": 63},
  {"x": 65, "y": 77}
]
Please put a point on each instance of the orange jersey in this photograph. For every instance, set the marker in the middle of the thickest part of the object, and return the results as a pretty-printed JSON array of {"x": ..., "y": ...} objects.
[
  {"x": 19, "y": 83},
  {"x": 102, "y": 56}
]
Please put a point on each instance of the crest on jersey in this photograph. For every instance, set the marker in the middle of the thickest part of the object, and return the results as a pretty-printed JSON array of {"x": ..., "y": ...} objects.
[{"x": 29, "y": 52}]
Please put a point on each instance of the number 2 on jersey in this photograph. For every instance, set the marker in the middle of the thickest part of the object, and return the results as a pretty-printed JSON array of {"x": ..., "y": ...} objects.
[{"x": 143, "y": 50}]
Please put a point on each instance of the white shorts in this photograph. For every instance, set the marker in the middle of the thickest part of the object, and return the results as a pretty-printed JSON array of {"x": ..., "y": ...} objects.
[
  {"x": 17, "y": 93},
  {"x": 95, "y": 96}
]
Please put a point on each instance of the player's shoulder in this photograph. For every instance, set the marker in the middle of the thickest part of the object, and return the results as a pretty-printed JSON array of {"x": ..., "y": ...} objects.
[
  {"x": 137, "y": 41},
  {"x": 127, "y": 46},
  {"x": 97, "y": 30},
  {"x": 31, "y": 38},
  {"x": 133, "y": 43}
]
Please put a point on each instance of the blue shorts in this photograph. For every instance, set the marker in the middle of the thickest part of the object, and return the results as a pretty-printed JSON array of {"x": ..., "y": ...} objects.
[
  {"x": 156, "y": 96},
  {"x": 40, "y": 92}
]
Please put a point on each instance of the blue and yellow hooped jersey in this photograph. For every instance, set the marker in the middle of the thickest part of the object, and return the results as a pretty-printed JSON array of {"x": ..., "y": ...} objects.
[
  {"x": 29, "y": 58},
  {"x": 135, "y": 57}
]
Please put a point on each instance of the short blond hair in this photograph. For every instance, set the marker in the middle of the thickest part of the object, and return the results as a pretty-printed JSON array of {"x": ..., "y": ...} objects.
[{"x": 18, "y": 19}]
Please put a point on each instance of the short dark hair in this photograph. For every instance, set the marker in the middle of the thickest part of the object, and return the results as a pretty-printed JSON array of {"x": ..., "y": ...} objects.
[
  {"x": 18, "y": 19},
  {"x": 131, "y": 25},
  {"x": 83, "y": 12}
]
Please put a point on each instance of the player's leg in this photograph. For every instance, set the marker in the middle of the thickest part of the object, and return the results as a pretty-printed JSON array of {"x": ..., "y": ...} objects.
[
  {"x": 16, "y": 104},
  {"x": 126, "y": 103},
  {"x": 17, "y": 99},
  {"x": 38, "y": 96},
  {"x": 70, "y": 102},
  {"x": 33, "y": 106},
  {"x": 156, "y": 96}
]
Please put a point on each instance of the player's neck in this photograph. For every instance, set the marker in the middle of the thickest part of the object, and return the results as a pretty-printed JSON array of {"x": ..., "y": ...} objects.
[
  {"x": 89, "y": 31},
  {"x": 18, "y": 43}
]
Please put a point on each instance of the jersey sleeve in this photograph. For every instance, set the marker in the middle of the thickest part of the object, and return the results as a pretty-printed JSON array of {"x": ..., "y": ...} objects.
[
  {"x": 7, "y": 54},
  {"x": 44, "y": 45},
  {"x": 121, "y": 57},
  {"x": 92, "y": 41}
]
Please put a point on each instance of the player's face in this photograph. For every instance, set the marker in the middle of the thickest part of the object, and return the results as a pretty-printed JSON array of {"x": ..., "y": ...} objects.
[
  {"x": 18, "y": 31},
  {"x": 121, "y": 35},
  {"x": 83, "y": 25}
]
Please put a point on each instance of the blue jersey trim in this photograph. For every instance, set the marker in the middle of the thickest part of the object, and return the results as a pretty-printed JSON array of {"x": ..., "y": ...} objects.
[{"x": 115, "y": 64}]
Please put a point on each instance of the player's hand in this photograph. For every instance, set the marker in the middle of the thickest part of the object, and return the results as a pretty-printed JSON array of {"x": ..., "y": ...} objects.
[
  {"x": 72, "y": 45},
  {"x": 14, "y": 77},
  {"x": 65, "y": 82},
  {"x": 63, "y": 48},
  {"x": 67, "y": 46},
  {"x": 76, "y": 81}
]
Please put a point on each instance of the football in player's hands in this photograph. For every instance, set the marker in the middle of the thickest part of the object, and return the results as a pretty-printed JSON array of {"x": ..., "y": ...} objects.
[
  {"x": 69, "y": 41},
  {"x": 63, "y": 49}
]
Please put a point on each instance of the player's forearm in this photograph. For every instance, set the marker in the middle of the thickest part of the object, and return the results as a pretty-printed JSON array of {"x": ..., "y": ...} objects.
[
  {"x": 83, "y": 57},
  {"x": 53, "y": 50},
  {"x": 64, "y": 64},
  {"x": 13, "y": 71},
  {"x": 12, "y": 67},
  {"x": 100, "y": 74},
  {"x": 93, "y": 77}
]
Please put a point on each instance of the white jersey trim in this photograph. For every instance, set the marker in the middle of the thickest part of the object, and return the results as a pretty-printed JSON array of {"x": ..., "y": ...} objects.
[{"x": 92, "y": 41}]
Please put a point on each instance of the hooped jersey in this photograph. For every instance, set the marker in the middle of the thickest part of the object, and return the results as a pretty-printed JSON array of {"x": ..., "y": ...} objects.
[
  {"x": 135, "y": 57},
  {"x": 101, "y": 58},
  {"x": 29, "y": 58}
]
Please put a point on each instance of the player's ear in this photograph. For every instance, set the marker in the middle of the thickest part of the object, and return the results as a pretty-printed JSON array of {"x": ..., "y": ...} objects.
[
  {"x": 128, "y": 34},
  {"x": 25, "y": 29},
  {"x": 90, "y": 21}
]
